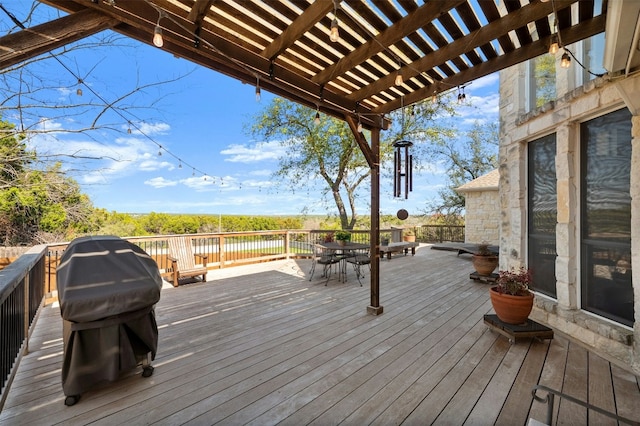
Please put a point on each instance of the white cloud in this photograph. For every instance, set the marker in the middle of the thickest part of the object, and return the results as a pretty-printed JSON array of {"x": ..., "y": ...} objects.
[
  {"x": 251, "y": 154},
  {"x": 263, "y": 172},
  {"x": 150, "y": 129},
  {"x": 490, "y": 80},
  {"x": 160, "y": 182}
]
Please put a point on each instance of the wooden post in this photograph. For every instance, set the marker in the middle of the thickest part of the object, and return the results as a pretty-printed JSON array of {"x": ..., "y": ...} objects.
[
  {"x": 375, "y": 307},
  {"x": 372, "y": 155}
]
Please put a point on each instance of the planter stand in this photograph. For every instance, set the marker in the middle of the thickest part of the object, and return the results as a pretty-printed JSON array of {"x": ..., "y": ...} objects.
[
  {"x": 515, "y": 331},
  {"x": 484, "y": 278}
]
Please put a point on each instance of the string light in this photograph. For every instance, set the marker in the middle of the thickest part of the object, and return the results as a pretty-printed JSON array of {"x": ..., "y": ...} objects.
[
  {"x": 334, "y": 34},
  {"x": 316, "y": 120},
  {"x": 157, "y": 32},
  {"x": 359, "y": 129},
  {"x": 461, "y": 96},
  {"x": 399, "y": 80},
  {"x": 258, "y": 96},
  {"x": 554, "y": 47},
  {"x": 565, "y": 62},
  {"x": 434, "y": 98},
  {"x": 79, "y": 89}
]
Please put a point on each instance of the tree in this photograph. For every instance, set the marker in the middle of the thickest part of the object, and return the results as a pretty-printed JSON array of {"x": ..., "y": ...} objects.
[
  {"x": 37, "y": 206},
  {"x": 47, "y": 98},
  {"x": 328, "y": 152},
  {"x": 464, "y": 162}
]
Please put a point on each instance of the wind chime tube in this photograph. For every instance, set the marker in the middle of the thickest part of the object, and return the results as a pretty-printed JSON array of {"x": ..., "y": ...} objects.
[
  {"x": 395, "y": 173},
  {"x": 411, "y": 173},
  {"x": 406, "y": 172}
]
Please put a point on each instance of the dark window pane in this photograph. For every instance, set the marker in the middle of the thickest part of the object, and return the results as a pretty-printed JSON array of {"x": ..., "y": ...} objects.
[
  {"x": 606, "y": 217},
  {"x": 542, "y": 214},
  {"x": 607, "y": 201},
  {"x": 607, "y": 280}
]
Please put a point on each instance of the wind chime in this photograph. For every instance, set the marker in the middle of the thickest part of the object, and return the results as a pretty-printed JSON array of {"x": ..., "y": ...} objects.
[{"x": 402, "y": 165}]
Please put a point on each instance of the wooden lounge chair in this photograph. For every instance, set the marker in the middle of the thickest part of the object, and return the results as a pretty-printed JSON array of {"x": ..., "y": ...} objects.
[{"x": 183, "y": 264}]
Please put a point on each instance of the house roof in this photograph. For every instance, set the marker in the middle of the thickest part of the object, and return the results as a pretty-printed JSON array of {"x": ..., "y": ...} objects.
[
  {"x": 437, "y": 46},
  {"x": 488, "y": 182}
]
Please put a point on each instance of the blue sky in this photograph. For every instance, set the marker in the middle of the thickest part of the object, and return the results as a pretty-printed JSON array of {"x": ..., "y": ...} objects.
[{"x": 199, "y": 121}]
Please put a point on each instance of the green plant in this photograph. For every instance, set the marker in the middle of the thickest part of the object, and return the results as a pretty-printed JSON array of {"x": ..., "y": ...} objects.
[
  {"x": 343, "y": 235},
  {"x": 514, "y": 282},
  {"x": 483, "y": 250}
]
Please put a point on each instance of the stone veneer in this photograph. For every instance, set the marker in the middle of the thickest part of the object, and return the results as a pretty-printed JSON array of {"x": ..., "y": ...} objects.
[
  {"x": 482, "y": 210},
  {"x": 563, "y": 117}
]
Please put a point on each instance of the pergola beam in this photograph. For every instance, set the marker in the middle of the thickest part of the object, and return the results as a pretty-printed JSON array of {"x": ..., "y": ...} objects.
[{"x": 30, "y": 42}]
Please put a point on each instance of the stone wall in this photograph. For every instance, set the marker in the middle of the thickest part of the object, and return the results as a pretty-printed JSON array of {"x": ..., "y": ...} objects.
[
  {"x": 563, "y": 117},
  {"x": 482, "y": 216}
]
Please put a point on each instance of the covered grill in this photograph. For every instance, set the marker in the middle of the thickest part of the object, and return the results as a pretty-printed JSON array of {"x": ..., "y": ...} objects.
[{"x": 108, "y": 288}]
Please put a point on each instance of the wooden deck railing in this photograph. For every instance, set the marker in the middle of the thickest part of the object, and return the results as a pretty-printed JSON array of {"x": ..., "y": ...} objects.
[
  {"x": 21, "y": 295},
  {"x": 25, "y": 283}
]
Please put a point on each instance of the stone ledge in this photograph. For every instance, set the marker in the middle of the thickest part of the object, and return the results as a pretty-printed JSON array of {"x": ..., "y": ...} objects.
[{"x": 589, "y": 322}]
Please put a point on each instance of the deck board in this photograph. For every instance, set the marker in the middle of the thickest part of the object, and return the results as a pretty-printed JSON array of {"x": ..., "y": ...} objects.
[{"x": 261, "y": 344}]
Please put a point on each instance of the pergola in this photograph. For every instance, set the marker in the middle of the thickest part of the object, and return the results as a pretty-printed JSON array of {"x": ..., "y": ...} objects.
[{"x": 387, "y": 53}]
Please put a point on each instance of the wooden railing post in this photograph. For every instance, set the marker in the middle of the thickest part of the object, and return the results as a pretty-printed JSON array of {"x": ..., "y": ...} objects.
[
  {"x": 27, "y": 303},
  {"x": 287, "y": 248},
  {"x": 221, "y": 250}
]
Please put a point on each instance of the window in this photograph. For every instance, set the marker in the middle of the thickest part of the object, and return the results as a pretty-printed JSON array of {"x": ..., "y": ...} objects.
[
  {"x": 606, "y": 217},
  {"x": 544, "y": 72},
  {"x": 542, "y": 218}
]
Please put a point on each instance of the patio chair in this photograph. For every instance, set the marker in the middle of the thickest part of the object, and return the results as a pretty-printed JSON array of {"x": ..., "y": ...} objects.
[
  {"x": 182, "y": 259},
  {"x": 324, "y": 257},
  {"x": 358, "y": 260}
]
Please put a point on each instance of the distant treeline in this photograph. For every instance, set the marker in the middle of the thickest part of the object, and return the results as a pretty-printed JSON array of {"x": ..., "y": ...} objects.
[{"x": 125, "y": 224}]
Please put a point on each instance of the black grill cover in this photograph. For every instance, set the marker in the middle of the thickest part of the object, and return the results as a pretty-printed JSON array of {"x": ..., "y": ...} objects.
[{"x": 107, "y": 288}]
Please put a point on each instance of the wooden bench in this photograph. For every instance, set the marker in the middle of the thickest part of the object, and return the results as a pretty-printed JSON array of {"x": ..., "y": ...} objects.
[
  {"x": 183, "y": 264},
  {"x": 399, "y": 247}
]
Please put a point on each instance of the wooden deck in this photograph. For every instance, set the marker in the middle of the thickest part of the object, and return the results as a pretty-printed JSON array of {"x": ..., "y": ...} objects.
[{"x": 262, "y": 345}]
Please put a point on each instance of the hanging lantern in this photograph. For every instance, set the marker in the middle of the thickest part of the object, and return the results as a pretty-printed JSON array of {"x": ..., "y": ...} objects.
[{"x": 402, "y": 168}]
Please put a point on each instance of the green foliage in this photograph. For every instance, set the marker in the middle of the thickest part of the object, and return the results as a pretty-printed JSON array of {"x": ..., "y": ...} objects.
[
  {"x": 37, "y": 205},
  {"x": 464, "y": 162},
  {"x": 545, "y": 78},
  {"x": 328, "y": 153},
  {"x": 343, "y": 236}
]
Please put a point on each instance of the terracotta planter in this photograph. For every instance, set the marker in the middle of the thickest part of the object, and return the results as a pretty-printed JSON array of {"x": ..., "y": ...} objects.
[
  {"x": 341, "y": 242},
  {"x": 409, "y": 238},
  {"x": 485, "y": 265},
  {"x": 511, "y": 309}
]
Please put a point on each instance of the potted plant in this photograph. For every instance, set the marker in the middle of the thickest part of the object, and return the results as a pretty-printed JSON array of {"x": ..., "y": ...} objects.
[
  {"x": 342, "y": 237},
  {"x": 408, "y": 235},
  {"x": 328, "y": 237},
  {"x": 511, "y": 298},
  {"x": 484, "y": 260}
]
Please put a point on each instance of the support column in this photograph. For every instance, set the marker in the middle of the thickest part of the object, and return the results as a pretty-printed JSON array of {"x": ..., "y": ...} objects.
[{"x": 375, "y": 308}]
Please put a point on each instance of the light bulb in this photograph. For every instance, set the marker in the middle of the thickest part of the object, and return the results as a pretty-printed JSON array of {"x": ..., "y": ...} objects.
[
  {"x": 157, "y": 36},
  {"x": 79, "y": 91},
  {"x": 434, "y": 99},
  {"x": 359, "y": 129},
  {"x": 317, "y": 119},
  {"x": 334, "y": 35},
  {"x": 399, "y": 80},
  {"x": 565, "y": 62},
  {"x": 553, "y": 48},
  {"x": 258, "y": 97}
]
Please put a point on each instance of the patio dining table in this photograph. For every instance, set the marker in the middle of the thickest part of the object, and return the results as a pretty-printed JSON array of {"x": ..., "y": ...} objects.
[{"x": 343, "y": 251}]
